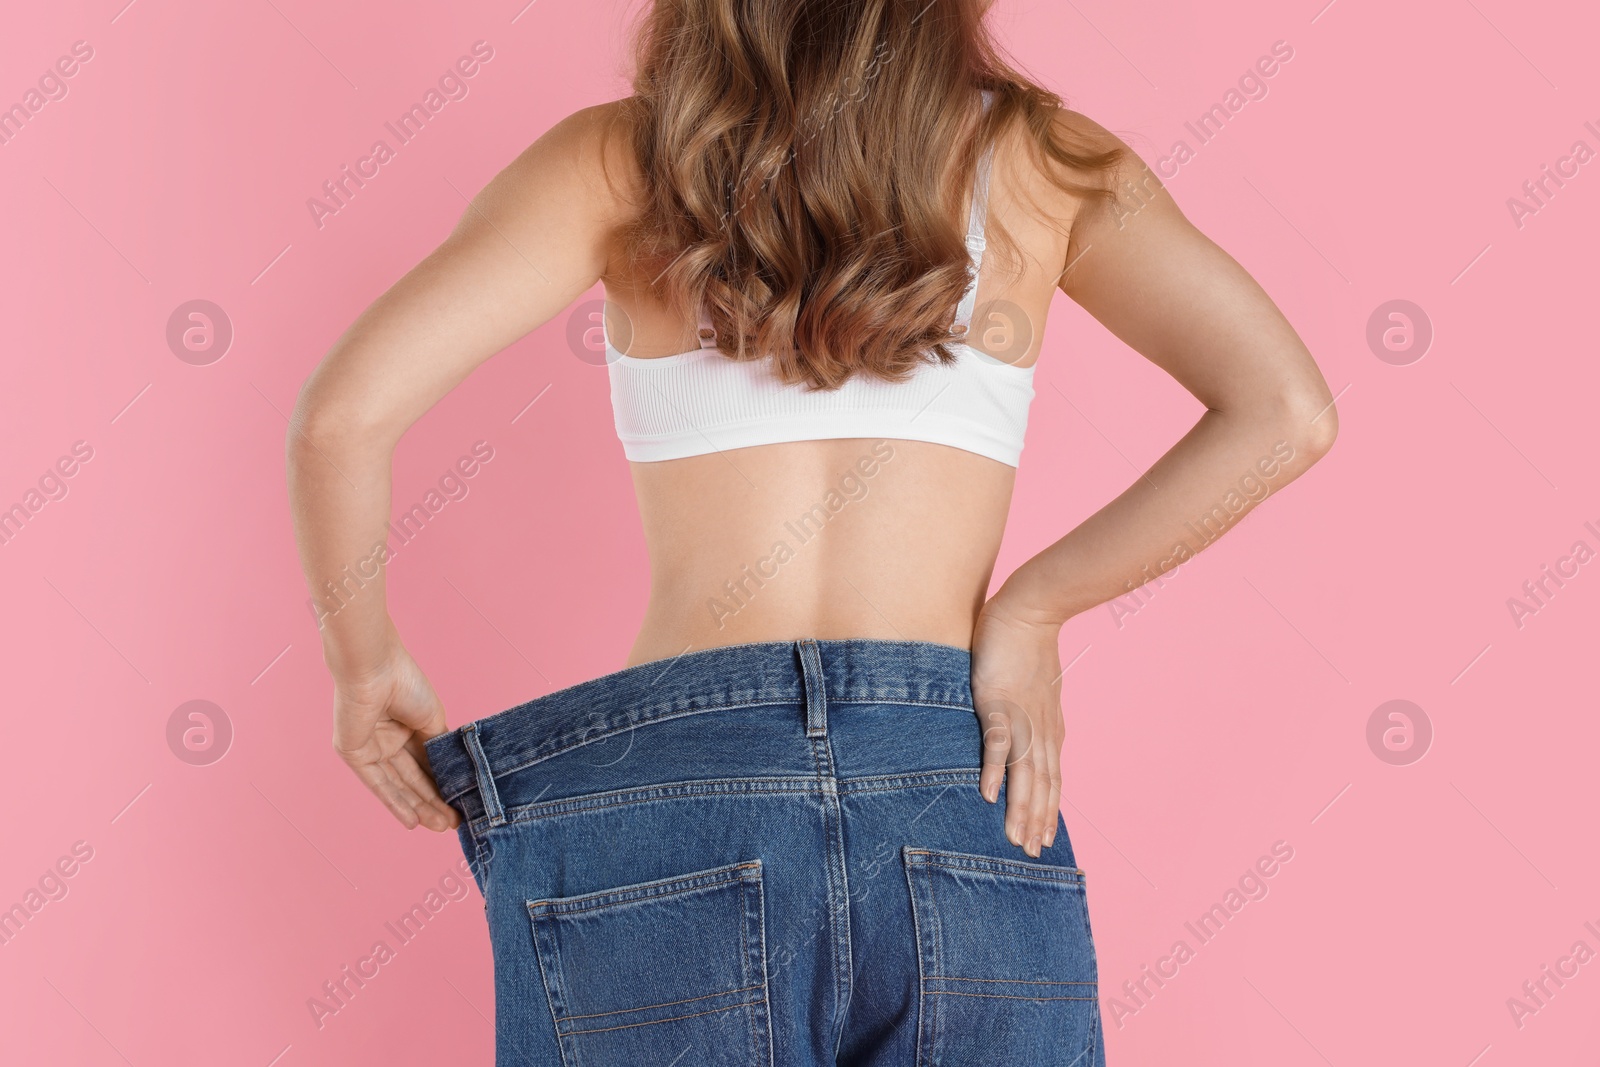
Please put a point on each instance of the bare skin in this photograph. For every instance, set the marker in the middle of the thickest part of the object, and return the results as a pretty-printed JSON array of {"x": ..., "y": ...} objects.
[{"x": 910, "y": 556}]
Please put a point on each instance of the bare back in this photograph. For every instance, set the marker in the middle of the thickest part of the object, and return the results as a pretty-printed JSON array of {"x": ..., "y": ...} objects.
[
  {"x": 856, "y": 537},
  {"x": 847, "y": 538}
]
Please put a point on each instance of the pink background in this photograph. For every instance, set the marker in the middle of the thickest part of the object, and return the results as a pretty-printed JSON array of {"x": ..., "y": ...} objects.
[{"x": 1229, "y": 713}]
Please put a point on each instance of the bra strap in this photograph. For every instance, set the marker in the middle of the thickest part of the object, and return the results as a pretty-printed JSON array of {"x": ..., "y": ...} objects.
[
  {"x": 975, "y": 233},
  {"x": 707, "y": 333}
]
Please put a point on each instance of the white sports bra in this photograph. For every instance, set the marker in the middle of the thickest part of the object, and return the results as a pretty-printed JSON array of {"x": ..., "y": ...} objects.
[{"x": 701, "y": 401}]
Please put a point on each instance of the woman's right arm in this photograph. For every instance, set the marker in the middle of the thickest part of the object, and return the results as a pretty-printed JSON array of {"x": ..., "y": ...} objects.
[
  {"x": 1160, "y": 285},
  {"x": 532, "y": 241}
]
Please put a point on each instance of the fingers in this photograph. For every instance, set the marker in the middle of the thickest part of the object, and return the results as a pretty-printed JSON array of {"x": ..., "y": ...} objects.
[
  {"x": 1032, "y": 774},
  {"x": 1022, "y": 779},
  {"x": 996, "y": 723},
  {"x": 1016, "y": 676},
  {"x": 1045, "y": 803},
  {"x": 404, "y": 788},
  {"x": 1020, "y": 786},
  {"x": 401, "y": 801},
  {"x": 432, "y": 809},
  {"x": 1052, "y": 814}
]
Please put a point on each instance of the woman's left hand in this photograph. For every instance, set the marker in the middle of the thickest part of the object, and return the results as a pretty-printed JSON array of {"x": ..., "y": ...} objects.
[{"x": 1016, "y": 690}]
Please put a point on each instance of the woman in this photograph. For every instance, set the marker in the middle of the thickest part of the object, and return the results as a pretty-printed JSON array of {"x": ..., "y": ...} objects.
[{"x": 815, "y": 816}]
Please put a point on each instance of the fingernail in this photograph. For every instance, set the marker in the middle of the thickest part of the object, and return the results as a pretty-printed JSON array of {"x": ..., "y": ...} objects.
[
  {"x": 1033, "y": 846},
  {"x": 1013, "y": 836}
]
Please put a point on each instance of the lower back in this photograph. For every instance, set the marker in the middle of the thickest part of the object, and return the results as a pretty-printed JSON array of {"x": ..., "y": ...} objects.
[{"x": 856, "y": 537}]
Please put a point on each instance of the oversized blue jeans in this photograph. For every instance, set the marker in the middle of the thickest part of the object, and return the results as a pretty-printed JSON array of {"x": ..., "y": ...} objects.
[{"x": 766, "y": 854}]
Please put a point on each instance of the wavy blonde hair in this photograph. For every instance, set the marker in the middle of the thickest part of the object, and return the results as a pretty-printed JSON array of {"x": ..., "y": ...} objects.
[{"x": 794, "y": 160}]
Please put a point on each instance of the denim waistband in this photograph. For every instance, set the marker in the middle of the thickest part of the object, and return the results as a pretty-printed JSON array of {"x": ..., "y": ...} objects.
[{"x": 849, "y": 670}]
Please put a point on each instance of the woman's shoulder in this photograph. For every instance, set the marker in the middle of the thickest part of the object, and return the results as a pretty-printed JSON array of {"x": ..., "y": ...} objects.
[
  {"x": 1066, "y": 146},
  {"x": 1062, "y": 163},
  {"x": 586, "y": 159},
  {"x": 596, "y": 142}
]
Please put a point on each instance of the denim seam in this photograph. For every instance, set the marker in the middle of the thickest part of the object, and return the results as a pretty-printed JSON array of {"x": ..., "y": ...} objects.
[
  {"x": 551, "y": 809},
  {"x": 649, "y": 898},
  {"x": 761, "y": 954},
  {"x": 485, "y": 853},
  {"x": 707, "y": 787},
  {"x": 754, "y": 887},
  {"x": 666, "y": 887},
  {"x": 838, "y": 903},
  {"x": 633, "y": 722},
  {"x": 1069, "y": 881},
  {"x": 917, "y": 935},
  {"x": 1088, "y": 930},
  {"x": 655, "y": 1022},
  {"x": 936, "y": 919},
  {"x": 550, "y": 987},
  {"x": 1001, "y": 981},
  {"x": 573, "y": 691},
  {"x": 920, "y": 779},
  {"x": 664, "y": 1004},
  {"x": 965, "y": 861},
  {"x": 648, "y": 716},
  {"x": 1094, "y": 1035},
  {"x": 1001, "y": 996}
]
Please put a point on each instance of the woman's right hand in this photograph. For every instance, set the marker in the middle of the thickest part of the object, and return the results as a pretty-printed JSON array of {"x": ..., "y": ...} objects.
[
  {"x": 1016, "y": 689},
  {"x": 380, "y": 720}
]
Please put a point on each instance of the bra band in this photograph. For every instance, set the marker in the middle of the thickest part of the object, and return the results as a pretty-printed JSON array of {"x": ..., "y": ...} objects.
[{"x": 976, "y": 244}]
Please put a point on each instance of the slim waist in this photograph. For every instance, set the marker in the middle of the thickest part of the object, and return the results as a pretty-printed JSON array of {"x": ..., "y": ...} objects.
[{"x": 807, "y": 672}]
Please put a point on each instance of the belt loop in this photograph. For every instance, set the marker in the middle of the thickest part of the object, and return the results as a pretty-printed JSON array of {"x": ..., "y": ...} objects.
[
  {"x": 480, "y": 764},
  {"x": 815, "y": 688}
]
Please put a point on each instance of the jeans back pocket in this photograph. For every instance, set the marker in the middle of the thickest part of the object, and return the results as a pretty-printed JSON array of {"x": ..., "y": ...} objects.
[
  {"x": 670, "y": 971},
  {"x": 1006, "y": 961}
]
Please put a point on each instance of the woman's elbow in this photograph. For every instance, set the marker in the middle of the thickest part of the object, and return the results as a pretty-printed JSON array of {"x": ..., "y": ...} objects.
[
  {"x": 1312, "y": 421},
  {"x": 325, "y": 422}
]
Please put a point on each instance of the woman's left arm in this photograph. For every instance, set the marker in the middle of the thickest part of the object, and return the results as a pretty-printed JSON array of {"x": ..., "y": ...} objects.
[
  {"x": 532, "y": 241},
  {"x": 1155, "y": 281}
]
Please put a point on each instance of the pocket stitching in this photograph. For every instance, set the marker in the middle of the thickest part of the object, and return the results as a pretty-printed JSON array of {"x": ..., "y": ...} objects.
[
  {"x": 1006, "y": 996},
  {"x": 744, "y": 876},
  {"x": 1004, "y": 874},
  {"x": 997, "y": 870},
  {"x": 668, "y": 1004},
  {"x": 922, "y": 980},
  {"x": 937, "y": 914},
  {"x": 652, "y": 890},
  {"x": 553, "y": 907},
  {"x": 652, "y": 1022},
  {"x": 765, "y": 1026},
  {"x": 550, "y": 988},
  {"x": 971, "y": 861}
]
